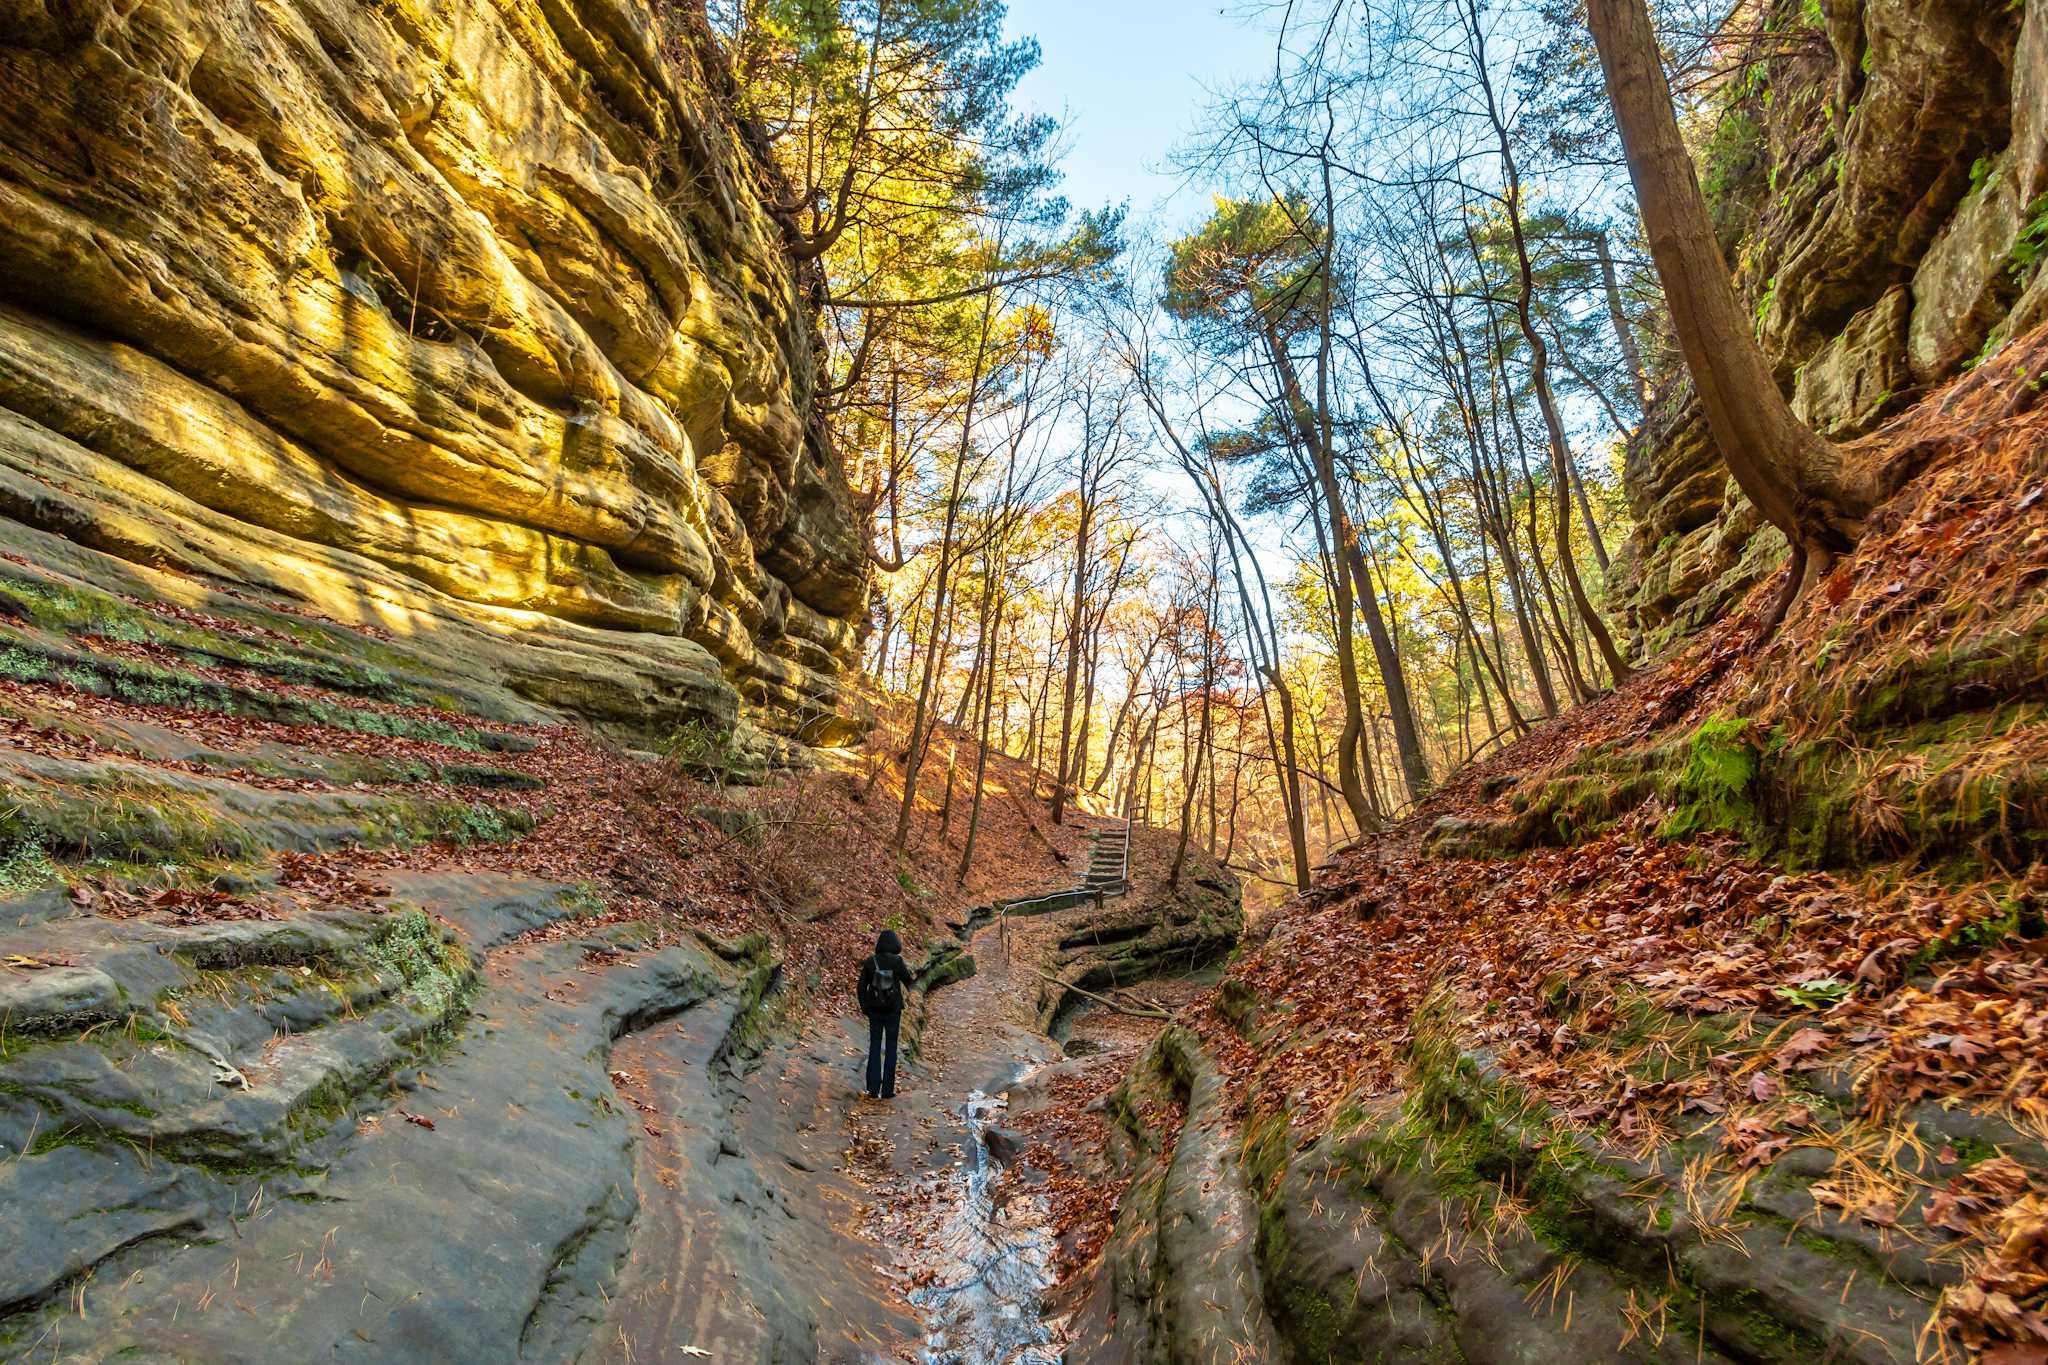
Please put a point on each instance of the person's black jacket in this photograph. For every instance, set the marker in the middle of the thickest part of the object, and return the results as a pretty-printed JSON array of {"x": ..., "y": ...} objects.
[{"x": 889, "y": 952}]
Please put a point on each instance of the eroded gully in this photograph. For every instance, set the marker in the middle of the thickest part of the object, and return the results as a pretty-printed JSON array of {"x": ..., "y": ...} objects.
[{"x": 972, "y": 1252}]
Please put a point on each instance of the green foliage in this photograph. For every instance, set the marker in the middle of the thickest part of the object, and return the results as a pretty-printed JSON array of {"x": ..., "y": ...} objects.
[
  {"x": 18, "y": 665},
  {"x": 1730, "y": 160},
  {"x": 24, "y": 865},
  {"x": 704, "y": 752},
  {"x": 2032, "y": 240},
  {"x": 1819, "y": 993},
  {"x": 1255, "y": 266},
  {"x": 476, "y": 822},
  {"x": 2013, "y": 919},
  {"x": 584, "y": 900}
]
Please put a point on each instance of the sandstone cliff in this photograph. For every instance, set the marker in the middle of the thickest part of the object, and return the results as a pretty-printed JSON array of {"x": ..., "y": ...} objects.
[
  {"x": 1880, "y": 176},
  {"x": 459, "y": 319}
]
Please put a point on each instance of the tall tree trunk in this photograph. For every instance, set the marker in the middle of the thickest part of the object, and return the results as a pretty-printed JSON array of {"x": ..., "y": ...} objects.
[
  {"x": 988, "y": 702},
  {"x": 1539, "y": 359},
  {"x": 1624, "y": 335},
  {"x": 1261, "y": 634},
  {"x": 952, "y": 773},
  {"x": 1593, "y": 536},
  {"x": 1297, "y": 831},
  {"x": 921, "y": 720},
  {"x": 1352, "y": 732},
  {"x": 1491, "y": 503},
  {"x": 1407, "y": 740},
  {"x": 1077, "y": 606}
]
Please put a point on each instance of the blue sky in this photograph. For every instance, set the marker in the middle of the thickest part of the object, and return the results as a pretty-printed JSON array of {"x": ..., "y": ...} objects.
[{"x": 1130, "y": 78}]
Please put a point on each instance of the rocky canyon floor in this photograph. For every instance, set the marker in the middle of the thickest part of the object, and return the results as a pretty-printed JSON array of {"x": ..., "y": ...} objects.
[
  {"x": 353, "y": 1010},
  {"x": 356, "y": 1008}
]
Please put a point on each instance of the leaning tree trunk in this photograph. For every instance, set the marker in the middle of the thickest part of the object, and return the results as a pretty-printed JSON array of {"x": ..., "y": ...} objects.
[{"x": 1794, "y": 478}]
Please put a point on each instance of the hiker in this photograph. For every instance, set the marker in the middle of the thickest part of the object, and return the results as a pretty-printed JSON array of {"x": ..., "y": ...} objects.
[{"x": 883, "y": 979}]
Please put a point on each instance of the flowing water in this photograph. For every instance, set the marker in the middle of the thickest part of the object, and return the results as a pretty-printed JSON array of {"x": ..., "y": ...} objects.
[{"x": 990, "y": 1263}]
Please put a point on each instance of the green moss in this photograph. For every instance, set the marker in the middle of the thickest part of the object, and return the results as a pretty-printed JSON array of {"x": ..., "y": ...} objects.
[
  {"x": 1239, "y": 1003},
  {"x": 125, "y": 819},
  {"x": 143, "y": 683},
  {"x": 1319, "y": 1329},
  {"x": 56, "y": 1138},
  {"x": 432, "y": 964},
  {"x": 1482, "y": 1143},
  {"x": 1941, "y": 789},
  {"x": 766, "y": 1013},
  {"x": 476, "y": 822},
  {"x": 1585, "y": 800},
  {"x": 1717, "y": 788},
  {"x": 707, "y": 753},
  {"x": 19, "y": 665},
  {"x": 2010, "y": 920},
  {"x": 88, "y": 613},
  {"x": 407, "y": 822}
]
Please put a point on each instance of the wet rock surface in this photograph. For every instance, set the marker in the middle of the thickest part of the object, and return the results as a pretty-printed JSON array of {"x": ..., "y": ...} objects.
[
  {"x": 990, "y": 1261},
  {"x": 351, "y": 1009},
  {"x": 963, "y": 1198}
]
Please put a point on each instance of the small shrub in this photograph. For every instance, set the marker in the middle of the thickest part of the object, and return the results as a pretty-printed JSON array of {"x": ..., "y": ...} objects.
[
  {"x": 584, "y": 900},
  {"x": 24, "y": 864},
  {"x": 434, "y": 969},
  {"x": 786, "y": 838},
  {"x": 702, "y": 751},
  {"x": 2033, "y": 237}
]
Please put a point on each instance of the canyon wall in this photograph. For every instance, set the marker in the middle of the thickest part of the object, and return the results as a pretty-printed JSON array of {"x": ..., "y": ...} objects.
[
  {"x": 460, "y": 319},
  {"x": 1879, "y": 175}
]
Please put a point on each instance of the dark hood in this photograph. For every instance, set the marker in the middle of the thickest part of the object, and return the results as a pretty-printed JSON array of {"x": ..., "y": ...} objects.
[{"x": 887, "y": 942}]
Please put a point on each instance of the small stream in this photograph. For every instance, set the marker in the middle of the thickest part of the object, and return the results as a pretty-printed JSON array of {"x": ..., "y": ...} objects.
[{"x": 990, "y": 1263}]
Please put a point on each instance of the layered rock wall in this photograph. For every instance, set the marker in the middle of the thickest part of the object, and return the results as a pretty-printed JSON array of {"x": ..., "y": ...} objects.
[
  {"x": 442, "y": 315},
  {"x": 1880, "y": 177}
]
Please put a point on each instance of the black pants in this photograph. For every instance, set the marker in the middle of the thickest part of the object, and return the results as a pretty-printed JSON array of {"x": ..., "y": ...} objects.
[{"x": 882, "y": 1052}]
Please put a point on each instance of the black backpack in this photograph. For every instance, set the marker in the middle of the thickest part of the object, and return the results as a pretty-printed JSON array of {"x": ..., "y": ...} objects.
[{"x": 880, "y": 991}]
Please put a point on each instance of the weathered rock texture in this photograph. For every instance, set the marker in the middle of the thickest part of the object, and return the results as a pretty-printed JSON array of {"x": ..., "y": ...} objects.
[
  {"x": 1880, "y": 179},
  {"x": 446, "y": 316}
]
